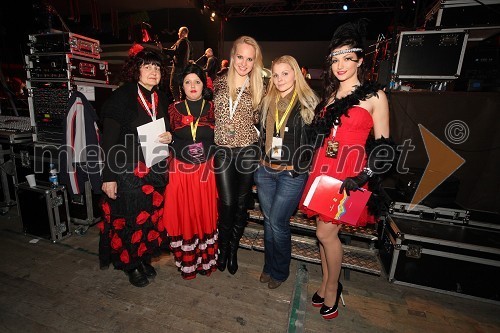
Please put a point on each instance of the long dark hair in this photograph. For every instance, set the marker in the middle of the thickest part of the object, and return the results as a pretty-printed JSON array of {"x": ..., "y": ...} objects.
[
  {"x": 206, "y": 94},
  {"x": 350, "y": 34},
  {"x": 131, "y": 68}
]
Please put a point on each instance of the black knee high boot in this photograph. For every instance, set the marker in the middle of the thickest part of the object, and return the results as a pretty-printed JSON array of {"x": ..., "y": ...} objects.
[
  {"x": 223, "y": 252},
  {"x": 225, "y": 229},
  {"x": 241, "y": 220},
  {"x": 232, "y": 262}
]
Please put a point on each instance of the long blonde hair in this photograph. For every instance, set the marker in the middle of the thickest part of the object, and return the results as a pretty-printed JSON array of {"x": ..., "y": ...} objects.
[
  {"x": 307, "y": 97},
  {"x": 256, "y": 82}
]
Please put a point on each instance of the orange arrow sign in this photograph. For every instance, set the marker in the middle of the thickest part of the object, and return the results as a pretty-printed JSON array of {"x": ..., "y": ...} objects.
[{"x": 443, "y": 162}]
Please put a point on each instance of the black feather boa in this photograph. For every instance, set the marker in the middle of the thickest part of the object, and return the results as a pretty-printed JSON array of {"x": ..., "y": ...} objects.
[{"x": 323, "y": 121}]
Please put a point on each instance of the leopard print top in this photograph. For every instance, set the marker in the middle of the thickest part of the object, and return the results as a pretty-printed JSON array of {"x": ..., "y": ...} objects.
[{"x": 240, "y": 131}]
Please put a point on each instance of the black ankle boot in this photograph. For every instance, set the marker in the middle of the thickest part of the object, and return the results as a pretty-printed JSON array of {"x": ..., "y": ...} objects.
[
  {"x": 232, "y": 262},
  {"x": 137, "y": 278}
]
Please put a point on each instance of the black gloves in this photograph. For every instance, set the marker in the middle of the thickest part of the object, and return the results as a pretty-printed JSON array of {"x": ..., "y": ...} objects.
[
  {"x": 382, "y": 156},
  {"x": 354, "y": 183}
]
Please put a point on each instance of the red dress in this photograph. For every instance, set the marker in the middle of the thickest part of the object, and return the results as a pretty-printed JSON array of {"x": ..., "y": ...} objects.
[
  {"x": 351, "y": 157},
  {"x": 191, "y": 199}
]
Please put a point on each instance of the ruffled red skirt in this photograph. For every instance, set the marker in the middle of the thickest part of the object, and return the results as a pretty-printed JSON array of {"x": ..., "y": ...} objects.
[
  {"x": 190, "y": 217},
  {"x": 351, "y": 165}
]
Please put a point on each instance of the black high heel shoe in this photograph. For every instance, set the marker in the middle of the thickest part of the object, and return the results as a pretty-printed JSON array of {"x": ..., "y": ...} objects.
[
  {"x": 317, "y": 300},
  {"x": 332, "y": 312}
]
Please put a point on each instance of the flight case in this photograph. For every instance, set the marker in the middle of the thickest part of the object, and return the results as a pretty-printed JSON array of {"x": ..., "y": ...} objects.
[
  {"x": 44, "y": 210},
  {"x": 453, "y": 259}
]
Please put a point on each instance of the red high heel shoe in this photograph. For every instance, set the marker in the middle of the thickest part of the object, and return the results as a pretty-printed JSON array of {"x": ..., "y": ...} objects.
[{"x": 332, "y": 312}]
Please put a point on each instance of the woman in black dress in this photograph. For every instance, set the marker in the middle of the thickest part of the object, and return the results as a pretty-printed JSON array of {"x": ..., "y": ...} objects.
[{"x": 133, "y": 203}]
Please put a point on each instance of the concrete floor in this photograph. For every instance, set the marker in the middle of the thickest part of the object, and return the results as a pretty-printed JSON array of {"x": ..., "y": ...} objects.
[{"x": 58, "y": 287}]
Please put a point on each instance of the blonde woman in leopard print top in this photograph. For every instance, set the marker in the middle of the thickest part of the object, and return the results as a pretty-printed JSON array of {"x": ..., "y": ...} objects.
[{"x": 237, "y": 96}]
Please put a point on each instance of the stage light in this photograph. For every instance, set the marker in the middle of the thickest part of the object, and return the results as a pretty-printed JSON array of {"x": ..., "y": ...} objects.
[
  {"x": 345, "y": 7},
  {"x": 213, "y": 14}
]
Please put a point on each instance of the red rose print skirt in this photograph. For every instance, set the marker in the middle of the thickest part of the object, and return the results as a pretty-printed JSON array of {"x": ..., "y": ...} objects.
[{"x": 132, "y": 230}]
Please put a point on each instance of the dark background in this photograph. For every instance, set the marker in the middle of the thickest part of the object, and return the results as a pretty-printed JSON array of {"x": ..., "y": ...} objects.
[
  {"x": 480, "y": 72},
  {"x": 20, "y": 18}
]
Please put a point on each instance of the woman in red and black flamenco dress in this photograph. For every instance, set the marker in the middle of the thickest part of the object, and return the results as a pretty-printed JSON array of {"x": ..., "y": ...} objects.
[
  {"x": 351, "y": 114},
  {"x": 131, "y": 231},
  {"x": 191, "y": 221}
]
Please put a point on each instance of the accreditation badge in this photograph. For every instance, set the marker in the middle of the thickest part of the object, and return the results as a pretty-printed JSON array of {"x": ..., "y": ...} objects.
[
  {"x": 231, "y": 130},
  {"x": 332, "y": 148},
  {"x": 197, "y": 152},
  {"x": 276, "y": 148}
]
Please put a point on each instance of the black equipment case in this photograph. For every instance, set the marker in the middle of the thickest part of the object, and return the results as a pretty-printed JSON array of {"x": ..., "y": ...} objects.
[
  {"x": 450, "y": 215},
  {"x": 44, "y": 211},
  {"x": 432, "y": 55},
  {"x": 64, "y": 42},
  {"x": 35, "y": 159},
  {"x": 66, "y": 67},
  {"x": 447, "y": 258}
]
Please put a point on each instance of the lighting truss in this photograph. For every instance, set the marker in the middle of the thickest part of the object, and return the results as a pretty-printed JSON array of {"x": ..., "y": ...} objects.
[{"x": 299, "y": 7}]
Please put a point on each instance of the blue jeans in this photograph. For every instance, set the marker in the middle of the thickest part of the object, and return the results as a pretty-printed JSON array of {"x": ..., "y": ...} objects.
[{"x": 279, "y": 194}]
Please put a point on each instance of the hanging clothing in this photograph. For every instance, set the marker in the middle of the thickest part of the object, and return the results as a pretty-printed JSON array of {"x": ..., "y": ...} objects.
[{"x": 81, "y": 159}]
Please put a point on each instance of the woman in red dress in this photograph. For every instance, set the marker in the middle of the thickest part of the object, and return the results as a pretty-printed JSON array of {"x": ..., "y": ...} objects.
[
  {"x": 350, "y": 110},
  {"x": 191, "y": 208}
]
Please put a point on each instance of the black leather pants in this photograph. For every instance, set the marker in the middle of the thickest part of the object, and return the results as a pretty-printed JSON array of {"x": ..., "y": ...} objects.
[{"x": 234, "y": 168}]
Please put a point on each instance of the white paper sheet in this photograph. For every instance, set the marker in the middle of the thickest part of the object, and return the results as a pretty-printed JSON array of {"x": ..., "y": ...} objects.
[
  {"x": 309, "y": 195},
  {"x": 153, "y": 150}
]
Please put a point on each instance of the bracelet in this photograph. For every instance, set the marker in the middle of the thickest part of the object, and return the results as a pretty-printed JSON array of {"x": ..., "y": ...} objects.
[{"x": 369, "y": 172}]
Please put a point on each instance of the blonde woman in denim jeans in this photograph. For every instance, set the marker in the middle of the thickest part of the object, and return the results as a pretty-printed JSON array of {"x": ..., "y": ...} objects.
[{"x": 287, "y": 110}]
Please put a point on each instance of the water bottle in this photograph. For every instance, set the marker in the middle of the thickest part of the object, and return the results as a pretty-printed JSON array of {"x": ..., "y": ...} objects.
[{"x": 53, "y": 179}]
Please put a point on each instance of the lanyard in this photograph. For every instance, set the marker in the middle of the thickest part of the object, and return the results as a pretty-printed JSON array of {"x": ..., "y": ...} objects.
[
  {"x": 279, "y": 122},
  {"x": 152, "y": 113},
  {"x": 334, "y": 131},
  {"x": 231, "y": 109},
  {"x": 194, "y": 127}
]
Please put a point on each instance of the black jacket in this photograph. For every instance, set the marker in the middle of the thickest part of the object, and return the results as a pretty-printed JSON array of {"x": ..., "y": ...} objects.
[
  {"x": 302, "y": 132},
  {"x": 121, "y": 116}
]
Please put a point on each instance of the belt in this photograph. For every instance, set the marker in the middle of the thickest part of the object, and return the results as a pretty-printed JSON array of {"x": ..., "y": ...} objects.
[{"x": 277, "y": 167}]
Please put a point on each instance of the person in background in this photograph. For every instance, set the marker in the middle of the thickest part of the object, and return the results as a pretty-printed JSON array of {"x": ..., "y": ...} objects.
[
  {"x": 182, "y": 55},
  {"x": 191, "y": 221},
  {"x": 305, "y": 73},
  {"x": 287, "y": 112},
  {"x": 350, "y": 110},
  {"x": 224, "y": 66},
  {"x": 133, "y": 202},
  {"x": 211, "y": 66},
  {"x": 237, "y": 96}
]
